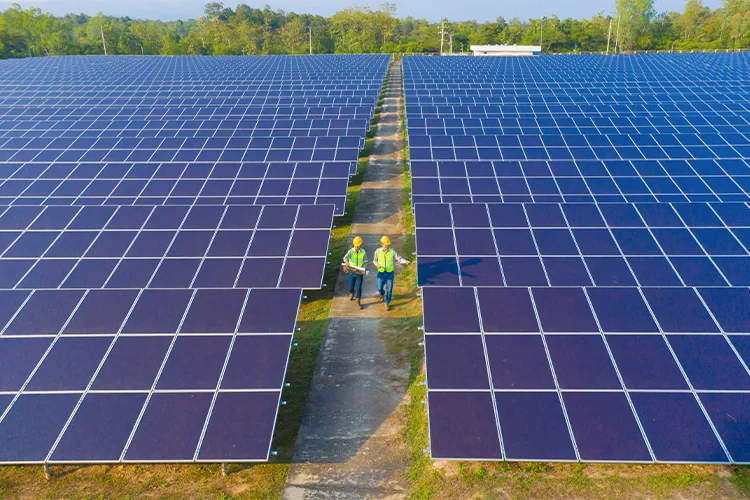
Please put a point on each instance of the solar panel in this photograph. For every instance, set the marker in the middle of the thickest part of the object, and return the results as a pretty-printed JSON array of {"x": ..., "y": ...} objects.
[
  {"x": 582, "y": 244},
  {"x": 159, "y": 218},
  {"x": 203, "y": 246},
  {"x": 613, "y": 244},
  {"x": 263, "y": 137}
]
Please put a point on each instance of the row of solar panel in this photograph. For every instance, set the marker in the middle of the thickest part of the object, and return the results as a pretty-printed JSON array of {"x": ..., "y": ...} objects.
[
  {"x": 64, "y": 130},
  {"x": 645, "y": 68},
  {"x": 194, "y": 171},
  {"x": 338, "y": 202},
  {"x": 103, "y": 425},
  {"x": 148, "y": 70},
  {"x": 186, "y": 154},
  {"x": 173, "y": 188},
  {"x": 525, "y": 81},
  {"x": 650, "y": 103},
  {"x": 598, "y": 426},
  {"x": 248, "y": 96},
  {"x": 73, "y": 361},
  {"x": 576, "y": 271},
  {"x": 162, "y": 273},
  {"x": 465, "y": 138},
  {"x": 585, "y": 310},
  {"x": 181, "y": 88},
  {"x": 217, "y": 75},
  {"x": 538, "y": 86},
  {"x": 439, "y": 130},
  {"x": 161, "y": 123},
  {"x": 187, "y": 103},
  {"x": 581, "y": 122},
  {"x": 205, "y": 112},
  {"x": 616, "y": 91},
  {"x": 458, "y": 362},
  {"x": 153, "y": 312},
  {"x": 663, "y": 151},
  {"x": 707, "y": 123},
  {"x": 133, "y": 247},
  {"x": 638, "y": 215},
  {"x": 176, "y": 91},
  {"x": 568, "y": 110},
  {"x": 169, "y": 191},
  {"x": 113, "y": 143},
  {"x": 582, "y": 168}
]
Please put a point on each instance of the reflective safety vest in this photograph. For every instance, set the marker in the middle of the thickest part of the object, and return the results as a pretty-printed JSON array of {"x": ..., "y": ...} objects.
[
  {"x": 356, "y": 258},
  {"x": 384, "y": 260}
]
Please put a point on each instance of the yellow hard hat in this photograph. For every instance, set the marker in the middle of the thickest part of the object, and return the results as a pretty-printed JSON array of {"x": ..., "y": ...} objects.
[
  {"x": 385, "y": 240},
  {"x": 357, "y": 241}
]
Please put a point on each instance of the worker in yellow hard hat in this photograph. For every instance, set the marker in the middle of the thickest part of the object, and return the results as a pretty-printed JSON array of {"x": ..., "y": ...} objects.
[
  {"x": 385, "y": 259},
  {"x": 355, "y": 261}
]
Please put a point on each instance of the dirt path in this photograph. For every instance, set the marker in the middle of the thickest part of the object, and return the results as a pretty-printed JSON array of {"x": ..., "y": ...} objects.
[{"x": 350, "y": 444}]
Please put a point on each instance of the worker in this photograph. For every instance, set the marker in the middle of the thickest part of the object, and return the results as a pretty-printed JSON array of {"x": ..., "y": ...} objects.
[
  {"x": 384, "y": 260},
  {"x": 356, "y": 256}
]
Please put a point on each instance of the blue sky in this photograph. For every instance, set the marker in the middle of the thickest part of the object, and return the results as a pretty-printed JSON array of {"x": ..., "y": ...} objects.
[{"x": 481, "y": 10}]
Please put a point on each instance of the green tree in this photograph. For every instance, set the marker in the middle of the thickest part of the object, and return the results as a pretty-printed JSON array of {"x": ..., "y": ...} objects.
[
  {"x": 634, "y": 18},
  {"x": 294, "y": 35},
  {"x": 737, "y": 22}
]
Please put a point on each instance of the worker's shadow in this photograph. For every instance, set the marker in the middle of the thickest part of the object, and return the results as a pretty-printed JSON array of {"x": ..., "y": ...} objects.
[{"x": 443, "y": 271}]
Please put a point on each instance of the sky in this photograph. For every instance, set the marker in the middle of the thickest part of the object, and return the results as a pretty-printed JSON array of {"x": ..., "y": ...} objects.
[{"x": 480, "y": 10}]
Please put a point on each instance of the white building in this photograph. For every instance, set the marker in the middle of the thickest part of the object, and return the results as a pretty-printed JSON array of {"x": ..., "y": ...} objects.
[{"x": 506, "y": 50}]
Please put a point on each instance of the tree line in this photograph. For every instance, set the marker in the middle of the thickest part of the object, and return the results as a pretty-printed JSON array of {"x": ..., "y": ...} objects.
[{"x": 634, "y": 25}]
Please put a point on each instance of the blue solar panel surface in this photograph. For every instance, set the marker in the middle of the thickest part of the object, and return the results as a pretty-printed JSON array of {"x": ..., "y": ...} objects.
[
  {"x": 246, "y": 131},
  {"x": 159, "y": 218},
  {"x": 582, "y": 244}
]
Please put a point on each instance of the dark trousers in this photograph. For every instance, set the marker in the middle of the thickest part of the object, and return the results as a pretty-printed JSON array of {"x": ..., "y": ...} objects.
[{"x": 355, "y": 282}]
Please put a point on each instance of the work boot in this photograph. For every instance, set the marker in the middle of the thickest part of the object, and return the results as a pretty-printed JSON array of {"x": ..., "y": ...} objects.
[
  {"x": 387, "y": 307},
  {"x": 351, "y": 295},
  {"x": 359, "y": 303}
]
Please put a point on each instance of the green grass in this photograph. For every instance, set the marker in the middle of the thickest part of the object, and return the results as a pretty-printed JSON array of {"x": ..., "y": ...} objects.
[{"x": 741, "y": 479}]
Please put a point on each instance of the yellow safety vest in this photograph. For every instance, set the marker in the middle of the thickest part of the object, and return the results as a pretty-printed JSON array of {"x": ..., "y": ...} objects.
[
  {"x": 384, "y": 261},
  {"x": 356, "y": 258}
]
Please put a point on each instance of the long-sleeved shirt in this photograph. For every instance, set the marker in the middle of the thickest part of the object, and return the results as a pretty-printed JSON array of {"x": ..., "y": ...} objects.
[{"x": 379, "y": 258}]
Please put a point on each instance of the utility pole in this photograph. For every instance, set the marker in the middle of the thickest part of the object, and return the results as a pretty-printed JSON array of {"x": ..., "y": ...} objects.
[
  {"x": 141, "y": 49},
  {"x": 541, "y": 34},
  {"x": 309, "y": 29},
  {"x": 101, "y": 30},
  {"x": 609, "y": 35},
  {"x": 617, "y": 38},
  {"x": 442, "y": 33},
  {"x": 450, "y": 43}
]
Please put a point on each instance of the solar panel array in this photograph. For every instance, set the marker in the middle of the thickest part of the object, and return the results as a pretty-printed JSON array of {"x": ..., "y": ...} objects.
[
  {"x": 183, "y": 131},
  {"x": 159, "y": 219},
  {"x": 583, "y": 237}
]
